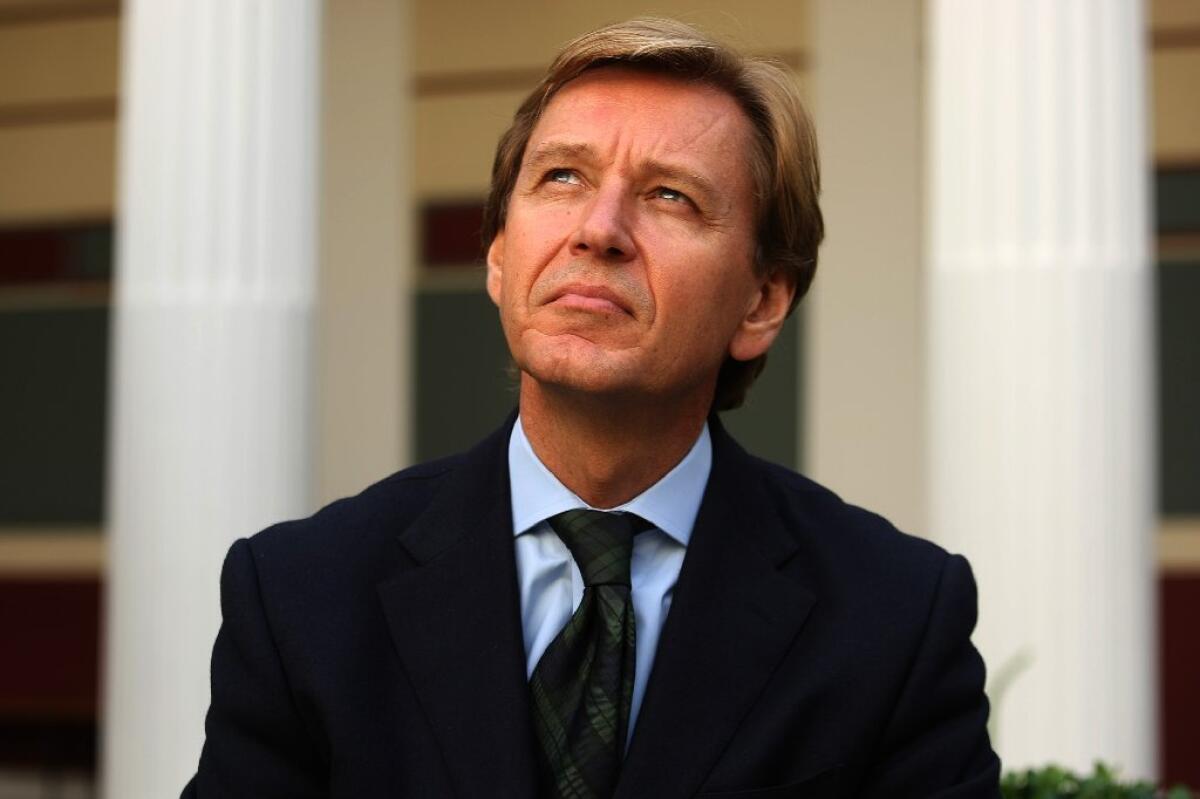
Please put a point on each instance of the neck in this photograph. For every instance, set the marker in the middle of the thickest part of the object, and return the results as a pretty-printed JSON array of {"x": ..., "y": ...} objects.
[{"x": 607, "y": 451}]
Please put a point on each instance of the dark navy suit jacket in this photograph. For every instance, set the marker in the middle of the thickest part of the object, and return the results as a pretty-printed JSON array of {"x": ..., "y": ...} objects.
[{"x": 812, "y": 650}]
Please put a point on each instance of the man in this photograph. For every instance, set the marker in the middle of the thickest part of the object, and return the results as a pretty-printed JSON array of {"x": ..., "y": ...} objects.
[{"x": 474, "y": 627}]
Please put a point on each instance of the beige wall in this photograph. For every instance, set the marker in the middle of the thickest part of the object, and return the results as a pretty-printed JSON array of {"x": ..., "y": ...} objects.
[
  {"x": 455, "y": 138},
  {"x": 1174, "y": 14},
  {"x": 59, "y": 59},
  {"x": 475, "y": 61},
  {"x": 1175, "y": 72},
  {"x": 57, "y": 171},
  {"x": 1176, "y": 96},
  {"x": 468, "y": 36},
  {"x": 364, "y": 294},
  {"x": 865, "y": 402},
  {"x": 58, "y": 86}
]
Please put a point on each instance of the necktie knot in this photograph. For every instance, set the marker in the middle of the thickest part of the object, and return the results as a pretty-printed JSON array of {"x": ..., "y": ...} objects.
[{"x": 600, "y": 542}]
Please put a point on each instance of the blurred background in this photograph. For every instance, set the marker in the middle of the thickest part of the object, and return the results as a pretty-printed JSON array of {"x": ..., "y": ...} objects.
[{"x": 240, "y": 277}]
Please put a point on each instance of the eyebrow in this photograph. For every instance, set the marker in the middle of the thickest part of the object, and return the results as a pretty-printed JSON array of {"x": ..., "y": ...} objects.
[
  {"x": 694, "y": 182},
  {"x": 551, "y": 152}
]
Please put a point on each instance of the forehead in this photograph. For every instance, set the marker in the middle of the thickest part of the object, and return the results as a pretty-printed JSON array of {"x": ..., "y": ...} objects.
[{"x": 622, "y": 112}]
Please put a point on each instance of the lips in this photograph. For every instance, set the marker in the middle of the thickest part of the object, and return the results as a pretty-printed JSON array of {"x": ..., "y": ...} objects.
[{"x": 599, "y": 299}]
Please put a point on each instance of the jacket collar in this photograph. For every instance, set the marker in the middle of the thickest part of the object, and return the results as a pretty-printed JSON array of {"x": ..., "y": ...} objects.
[
  {"x": 733, "y": 617},
  {"x": 454, "y": 615}
]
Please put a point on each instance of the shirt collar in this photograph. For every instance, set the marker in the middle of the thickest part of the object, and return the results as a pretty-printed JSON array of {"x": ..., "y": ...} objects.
[{"x": 671, "y": 504}]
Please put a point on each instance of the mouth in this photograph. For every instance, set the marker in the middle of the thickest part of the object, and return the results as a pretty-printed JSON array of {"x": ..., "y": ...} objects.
[{"x": 594, "y": 299}]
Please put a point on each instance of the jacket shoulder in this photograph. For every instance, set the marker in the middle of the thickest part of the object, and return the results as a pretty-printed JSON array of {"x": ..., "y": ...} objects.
[
  {"x": 846, "y": 537},
  {"x": 367, "y": 520}
]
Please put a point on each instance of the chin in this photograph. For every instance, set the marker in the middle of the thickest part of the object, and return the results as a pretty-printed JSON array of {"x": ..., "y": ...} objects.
[{"x": 568, "y": 368}]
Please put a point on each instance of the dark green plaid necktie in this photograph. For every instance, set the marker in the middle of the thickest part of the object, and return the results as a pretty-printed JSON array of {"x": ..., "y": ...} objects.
[{"x": 583, "y": 685}]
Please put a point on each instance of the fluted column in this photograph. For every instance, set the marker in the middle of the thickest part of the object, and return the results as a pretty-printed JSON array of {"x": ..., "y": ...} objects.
[
  {"x": 214, "y": 304},
  {"x": 1040, "y": 364}
]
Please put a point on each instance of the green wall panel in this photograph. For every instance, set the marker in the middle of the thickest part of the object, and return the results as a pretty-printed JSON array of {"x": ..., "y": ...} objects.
[
  {"x": 768, "y": 424},
  {"x": 463, "y": 389},
  {"x": 1179, "y": 387},
  {"x": 53, "y": 411},
  {"x": 1177, "y": 201}
]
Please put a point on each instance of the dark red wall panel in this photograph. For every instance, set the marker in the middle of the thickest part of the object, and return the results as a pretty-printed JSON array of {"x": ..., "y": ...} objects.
[
  {"x": 51, "y": 634},
  {"x": 1179, "y": 652},
  {"x": 450, "y": 234}
]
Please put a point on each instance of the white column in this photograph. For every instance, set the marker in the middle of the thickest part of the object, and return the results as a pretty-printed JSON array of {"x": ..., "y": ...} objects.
[
  {"x": 1040, "y": 364},
  {"x": 214, "y": 306}
]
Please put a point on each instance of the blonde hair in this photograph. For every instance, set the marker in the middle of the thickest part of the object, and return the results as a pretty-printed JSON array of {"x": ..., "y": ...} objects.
[{"x": 783, "y": 161}]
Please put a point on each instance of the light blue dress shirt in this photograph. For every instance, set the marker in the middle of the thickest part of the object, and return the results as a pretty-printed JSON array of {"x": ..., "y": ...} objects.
[{"x": 550, "y": 583}]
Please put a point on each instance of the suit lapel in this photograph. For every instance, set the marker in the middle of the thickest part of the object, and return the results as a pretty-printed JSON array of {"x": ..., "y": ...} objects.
[
  {"x": 454, "y": 617},
  {"x": 733, "y": 616}
]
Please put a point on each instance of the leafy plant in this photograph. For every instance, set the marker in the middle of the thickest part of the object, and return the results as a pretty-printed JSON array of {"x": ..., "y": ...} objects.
[{"x": 1055, "y": 782}]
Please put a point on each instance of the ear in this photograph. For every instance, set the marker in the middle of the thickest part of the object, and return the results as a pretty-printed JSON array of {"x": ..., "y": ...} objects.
[
  {"x": 495, "y": 267},
  {"x": 765, "y": 314}
]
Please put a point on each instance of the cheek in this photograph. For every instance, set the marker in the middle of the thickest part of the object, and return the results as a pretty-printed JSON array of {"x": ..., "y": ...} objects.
[
  {"x": 533, "y": 247},
  {"x": 696, "y": 313},
  {"x": 538, "y": 226},
  {"x": 517, "y": 271},
  {"x": 707, "y": 286}
]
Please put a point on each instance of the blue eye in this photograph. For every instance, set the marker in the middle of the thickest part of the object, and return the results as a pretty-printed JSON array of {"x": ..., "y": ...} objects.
[
  {"x": 671, "y": 194},
  {"x": 561, "y": 176}
]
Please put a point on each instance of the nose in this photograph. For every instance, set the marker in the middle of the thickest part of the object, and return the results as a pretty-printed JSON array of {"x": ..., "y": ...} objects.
[{"x": 604, "y": 227}]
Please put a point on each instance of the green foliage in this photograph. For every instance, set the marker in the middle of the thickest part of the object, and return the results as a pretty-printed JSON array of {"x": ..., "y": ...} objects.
[{"x": 1054, "y": 782}]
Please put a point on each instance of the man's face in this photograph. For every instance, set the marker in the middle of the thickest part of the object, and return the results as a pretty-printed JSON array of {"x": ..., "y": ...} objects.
[{"x": 625, "y": 266}]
